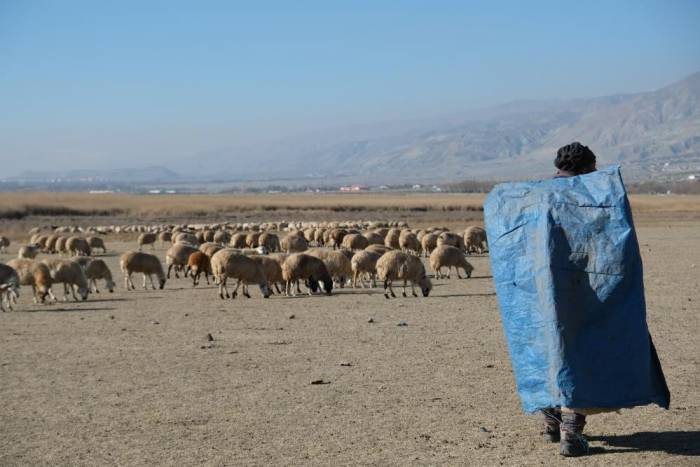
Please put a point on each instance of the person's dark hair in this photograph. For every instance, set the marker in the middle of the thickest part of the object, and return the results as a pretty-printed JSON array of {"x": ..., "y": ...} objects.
[{"x": 574, "y": 157}]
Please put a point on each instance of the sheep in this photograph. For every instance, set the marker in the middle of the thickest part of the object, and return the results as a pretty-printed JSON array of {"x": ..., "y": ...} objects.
[
  {"x": 226, "y": 263},
  {"x": 251, "y": 240},
  {"x": 4, "y": 243},
  {"x": 450, "y": 257},
  {"x": 61, "y": 245},
  {"x": 364, "y": 263},
  {"x": 318, "y": 236},
  {"x": 355, "y": 242},
  {"x": 165, "y": 237},
  {"x": 186, "y": 238},
  {"x": 210, "y": 248},
  {"x": 409, "y": 242},
  {"x": 35, "y": 274},
  {"x": 41, "y": 241},
  {"x": 96, "y": 242},
  {"x": 221, "y": 237},
  {"x": 29, "y": 251},
  {"x": 97, "y": 269},
  {"x": 374, "y": 238},
  {"x": 294, "y": 243},
  {"x": 395, "y": 265},
  {"x": 9, "y": 287},
  {"x": 273, "y": 270},
  {"x": 198, "y": 263},
  {"x": 177, "y": 256},
  {"x": 269, "y": 241},
  {"x": 238, "y": 240},
  {"x": 70, "y": 274},
  {"x": 392, "y": 239},
  {"x": 452, "y": 239},
  {"x": 147, "y": 264},
  {"x": 337, "y": 263},
  {"x": 50, "y": 246},
  {"x": 78, "y": 246},
  {"x": 429, "y": 242},
  {"x": 382, "y": 231},
  {"x": 301, "y": 266},
  {"x": 147, "y": 238},
  {"x": 475, "y": 239},
  {"x": 379, "y": 249},
  {"x": 336, "y": 237}
]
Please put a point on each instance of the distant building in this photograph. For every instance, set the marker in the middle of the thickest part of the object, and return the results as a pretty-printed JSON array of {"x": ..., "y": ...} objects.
[{"x": 354, "y": 188}]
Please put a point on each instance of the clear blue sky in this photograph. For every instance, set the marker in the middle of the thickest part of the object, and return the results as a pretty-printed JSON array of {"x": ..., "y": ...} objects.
[{"x": 88, "y": 81}]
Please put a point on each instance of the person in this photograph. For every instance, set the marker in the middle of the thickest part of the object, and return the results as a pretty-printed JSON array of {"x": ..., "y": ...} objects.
[
  {"x": 563, "y": 425},
  {"x": 568, "y": 276}
]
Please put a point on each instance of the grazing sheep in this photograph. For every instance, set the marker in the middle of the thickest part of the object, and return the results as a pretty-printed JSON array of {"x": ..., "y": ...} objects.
[
  {"x": 95, "y": 270},
  {"x": 452, "y": 239},
  {"x": 197, "y": 264},
  {"x": 318, "y": 236},
  {"x": 221, "y": 237},
  {"x": 61, "y": 245},
  {"x": 238, "y": 240},
  {"x": 29, "y": 251},
  {"x": 374, "y": 238},
  {"x": 147, "y": 264},
  {"x": 380, "y": 249},
  {"x": 364, "y": 263},
  {"x": 165, "y": 237},
  {"x": 41, "y": 241},
  {"x": 392, "y": 239},
  {"x": 70, "y": 274},
  {"x": 226, "y": 263},
  {"x": 210, "y": 248},
  {"x": 429, "y": 242},
  {"x": 50, "y": 246},
  {"x": 36, "y": 275},
  {"x": 78, "y": 246},
  {"x": 475, "y": 239},
  {"x": 269, "y": 241},
  {"x": 147, "y": 238},
  {"x": 337, "y": 263},
  {"x": 336, "y": 237},
  {"x": 355, "y": 242},
  {"x": 186, "y": 238},
  {"x": 96, "y": 242},
  {"x": 301, "y": 266},
  {"x": 408, "y": 241},
  {"x": 397, "y": 265},
  {"x": 177, "y": 256},
  {"x": 251, "y": 240},
  {"x": 9, "y": 287},
  {"x": 450, "y": 257},
  {"x": 4, "y": 243},
  {"x": 294, "y": 243},
  {"x": 273, "y": 270}
]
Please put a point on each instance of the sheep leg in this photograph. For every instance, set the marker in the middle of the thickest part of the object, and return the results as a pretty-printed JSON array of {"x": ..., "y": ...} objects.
[
  {"x": 144, "y": 281},
  {"x": 437, "y": 273},
  {"x": 387, "y": 286},
  {"x": 169, "y": 268},
  {"x": 245, "y": 291},
  {"x": 153, "y": 285},
  {"x": 372, "y": 280},
  {"x": 277, "y": 288},
  {"x": 65, "y": 292},
  {"x": 457, "y": 269},
  {"x": 404, "y": 288},
  {"x": 449, "y": 270},
  {"x": 206, "y": 275},
  {"x": 413, "y": 290},
  {"x": 235, "y": 291},
  {"x": 34, "y": 294},
  {"x": 72, "y": 289}
]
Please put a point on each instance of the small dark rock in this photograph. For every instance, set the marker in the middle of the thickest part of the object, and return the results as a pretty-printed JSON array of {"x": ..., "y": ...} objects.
[
  {"x": 210, "y": 337},
  {"x": 345, "y": 364},
  {"x": 111, "y": 316},
  {"x": 402, "y": 323},
  {"x": 291, "y": 316},
  {"x": 320, "y": 381},
  {"x": 488, "y": 366},
  {"x": 155, "y": 322},
  {"x": 371, "y": 320},
  {"x": 484, "y": 429}
]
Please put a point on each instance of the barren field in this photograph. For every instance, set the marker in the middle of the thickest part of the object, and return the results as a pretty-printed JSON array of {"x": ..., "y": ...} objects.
[{"x": 130, "y": 378}]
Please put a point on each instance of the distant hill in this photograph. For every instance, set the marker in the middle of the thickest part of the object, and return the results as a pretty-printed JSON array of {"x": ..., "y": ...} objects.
[
  {"x": 130, "y": 175},
  {"x": 642, "y": 131}
]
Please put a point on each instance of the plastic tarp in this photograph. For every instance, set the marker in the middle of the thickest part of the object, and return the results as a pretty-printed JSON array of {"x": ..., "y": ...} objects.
[{"x": 568, "y": 276}]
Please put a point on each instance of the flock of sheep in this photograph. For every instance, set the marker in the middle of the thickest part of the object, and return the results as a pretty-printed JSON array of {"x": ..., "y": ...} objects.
[{"x": 275, "y": 257}]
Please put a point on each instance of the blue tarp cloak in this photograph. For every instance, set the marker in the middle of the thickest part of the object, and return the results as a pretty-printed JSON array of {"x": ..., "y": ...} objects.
[{"x": 568, "y": 276}]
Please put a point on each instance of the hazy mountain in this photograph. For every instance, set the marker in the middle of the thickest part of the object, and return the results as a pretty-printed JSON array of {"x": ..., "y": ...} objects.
[
  {"x": 129, "y": 175},
  {"x": 643, "y": 131}
]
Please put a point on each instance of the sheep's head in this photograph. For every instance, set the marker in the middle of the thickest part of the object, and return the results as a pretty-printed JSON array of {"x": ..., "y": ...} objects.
[
  {"x": 266, "y": 290},
  {"x": 327, "y": 286},
  {"x": 83, "y": 292},
  {"x": 110, "y": 285},
  {"x": 312, "y": 284},
  {"x": 425, "y": 285}
]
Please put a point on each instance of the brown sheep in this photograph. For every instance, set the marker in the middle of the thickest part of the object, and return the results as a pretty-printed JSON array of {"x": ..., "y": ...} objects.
[
  {"x": 397, "y": 265},
  {"x": 147, "y": 238},
  {"x": 450, "y": 257},
  {"x": 149, "y": 265},
  {"x": 197, "y": 264},
  {"x": 300, "y": 266},
  {"x": 475, "y": 239},
  {"x": 392, "y": 239},
  {"x": 355, "y": 242}
]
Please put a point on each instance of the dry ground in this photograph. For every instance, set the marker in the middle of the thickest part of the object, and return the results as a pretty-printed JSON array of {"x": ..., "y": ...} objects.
[{"x": 130, "y": 378}]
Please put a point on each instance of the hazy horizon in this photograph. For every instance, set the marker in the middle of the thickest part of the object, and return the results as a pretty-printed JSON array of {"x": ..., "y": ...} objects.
[{"x": 103, "y": 86}]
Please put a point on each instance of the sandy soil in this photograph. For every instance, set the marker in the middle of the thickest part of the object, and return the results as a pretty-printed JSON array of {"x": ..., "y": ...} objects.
[{"x": 130, "y": 378}]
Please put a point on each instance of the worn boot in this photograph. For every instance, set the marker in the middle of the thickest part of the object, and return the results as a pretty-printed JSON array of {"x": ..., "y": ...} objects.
[
  {"x": 573, "y": 443},
  {"x": 552, "y": 419}
]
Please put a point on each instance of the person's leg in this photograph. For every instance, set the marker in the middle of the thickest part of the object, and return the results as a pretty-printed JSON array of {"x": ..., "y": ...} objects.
[
  {"x": 552, "y": 419},
  {"x": 573, "y": 443}
]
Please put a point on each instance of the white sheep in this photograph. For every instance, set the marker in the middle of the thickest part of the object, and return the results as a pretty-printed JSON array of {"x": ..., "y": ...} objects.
[
  {"x": 364, "y": 263},
  {"x": 226, "y": 263},
  {"x": 147, "y": 264},
  {"x": 397, "y": 265},
  {"x": 450, "y": 257},
  {"x": 475, "y": 239},
  {"x": 177, "y": 256},
  {"x": 98, "y": 270}
]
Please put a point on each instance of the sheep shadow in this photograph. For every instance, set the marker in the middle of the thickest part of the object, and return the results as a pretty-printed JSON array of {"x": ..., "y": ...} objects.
[
  {"x": 65, "y": 310},
  {"x": 492, "y": 294},
  {"x": 682, "y": 443}
]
